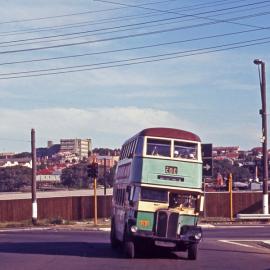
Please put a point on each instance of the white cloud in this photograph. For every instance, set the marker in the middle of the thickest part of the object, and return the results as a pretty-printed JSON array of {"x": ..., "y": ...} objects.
[{"x": 106, "y": 126}]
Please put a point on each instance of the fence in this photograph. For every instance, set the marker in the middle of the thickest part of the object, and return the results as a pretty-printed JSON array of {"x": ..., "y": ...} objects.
[
  {"x": 82, "y": 207},
  {"x": 69, "y": 208}
]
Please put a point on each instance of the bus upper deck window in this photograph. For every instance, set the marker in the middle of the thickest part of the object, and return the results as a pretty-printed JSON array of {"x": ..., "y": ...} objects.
[
  {"x": 185, "y": 150},
  {"x": 156, "y": 147},
  {"x": 139, "y": 146}
]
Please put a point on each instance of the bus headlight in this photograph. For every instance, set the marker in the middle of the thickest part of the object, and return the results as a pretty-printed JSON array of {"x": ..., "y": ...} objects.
[
  {"x": 133, "y": 229},
  {"x": 198, "y": 236}
]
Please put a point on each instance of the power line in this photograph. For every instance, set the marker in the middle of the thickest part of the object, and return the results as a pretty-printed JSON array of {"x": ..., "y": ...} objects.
[
  {"x": 174, "y": 12},
  {"x": 112, "y": 32},
  {"x": 133, "y": 48},
  {"x": 130, "y": 35},
  {"x": 78, "y": 13},
  {"x": 128, "y": 25},
  {"x": 102, "y": 21},
  {"x": 139, "y": 60}
]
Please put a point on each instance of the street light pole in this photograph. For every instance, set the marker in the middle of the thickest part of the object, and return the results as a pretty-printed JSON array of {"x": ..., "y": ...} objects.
[{"x": 264, "y": 135}]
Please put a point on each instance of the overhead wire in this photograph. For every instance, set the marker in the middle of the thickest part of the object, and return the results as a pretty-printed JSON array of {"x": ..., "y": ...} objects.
[
  {"x": 142, "y": 59},
  {"x": 135, "y": 63},
  {"x": 78, "y": 13},
  {"x": 76, "y": 36},
  {"x": 129, "y": 35},
  {"x": 107, "y": 20},
  {"x": 134, "y": 48},
  {"x": 139, "y": 60},
  {"x": 133, "y": 24},
  {"x": 174, "y": 12}
]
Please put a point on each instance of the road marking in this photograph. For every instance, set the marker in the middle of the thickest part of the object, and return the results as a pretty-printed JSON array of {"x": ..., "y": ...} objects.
[
  {"x": 235, "y": 243},
  {"x": 25, "y": 229},
  {"x": 240, "y": 226},
  {"x": 262, "y": 242},
  {"x": 206, "y": 225}
]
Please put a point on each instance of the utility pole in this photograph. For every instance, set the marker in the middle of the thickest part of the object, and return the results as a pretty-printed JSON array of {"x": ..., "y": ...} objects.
[
  {"x": 105, "y": 189},
  {"x": 263, "y": 113},
  {"x": 230, "y": 187},
  {"x": 34, "y": 173},
  {"x": 92, "y": 172},
  {"x": 95, "y": 175},
  {"x": 95, "y": 201}
]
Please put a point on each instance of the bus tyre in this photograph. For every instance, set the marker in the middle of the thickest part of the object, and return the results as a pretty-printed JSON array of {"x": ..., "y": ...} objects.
[
  {"x": 192, "y": 252},
  {"x": 114, "y": 241},
  {"x": 129, "y": 247}
]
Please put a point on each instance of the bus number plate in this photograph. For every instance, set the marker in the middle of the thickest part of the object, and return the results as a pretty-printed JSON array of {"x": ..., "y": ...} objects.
[
  {"x": 171, "y": 170},
  {"x": 144, "y": 223}
]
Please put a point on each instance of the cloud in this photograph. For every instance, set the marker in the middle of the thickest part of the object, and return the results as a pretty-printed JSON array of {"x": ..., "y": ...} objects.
[
  {"x": 106, "y": 126},
  {"x": 110, "y": 127}
]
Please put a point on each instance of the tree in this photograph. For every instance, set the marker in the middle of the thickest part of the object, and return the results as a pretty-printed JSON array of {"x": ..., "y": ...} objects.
[
  {"x": 224, "y": 167},
  {"x": 14, "y": 178},
  {"x": 23, "y": 155},
  {"x": 108, "y": 178},
  {"x": 106, "y": 151},
  {"x": 76, "y": 176}
]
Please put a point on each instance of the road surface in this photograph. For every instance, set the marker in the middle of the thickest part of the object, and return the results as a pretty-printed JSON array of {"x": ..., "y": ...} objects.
[{"x": 222, "y": 248}]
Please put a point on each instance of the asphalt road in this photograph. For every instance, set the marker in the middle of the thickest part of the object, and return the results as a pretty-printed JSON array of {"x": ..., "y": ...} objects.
[{"x": 222, "y": 248}]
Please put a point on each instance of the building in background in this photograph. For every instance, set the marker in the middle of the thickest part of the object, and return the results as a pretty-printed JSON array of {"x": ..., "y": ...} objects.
[
  {"x": 227, "y": 152},
  {"x": 79, "y": 147}
]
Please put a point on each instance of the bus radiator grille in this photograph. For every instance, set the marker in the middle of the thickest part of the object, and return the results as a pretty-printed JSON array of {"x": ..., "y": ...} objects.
[{"x": 166, "y": 224}]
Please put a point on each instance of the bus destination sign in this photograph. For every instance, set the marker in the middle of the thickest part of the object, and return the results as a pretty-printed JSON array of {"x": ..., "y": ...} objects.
[{"x": 171, "y": 170}]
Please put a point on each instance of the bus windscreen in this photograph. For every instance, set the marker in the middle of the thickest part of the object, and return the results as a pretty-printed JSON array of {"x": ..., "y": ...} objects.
[{"x": 154, "y": 195}]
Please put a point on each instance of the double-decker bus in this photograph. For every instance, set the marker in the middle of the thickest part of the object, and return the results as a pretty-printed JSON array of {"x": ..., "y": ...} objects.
[{"x": 157, "y": 192}]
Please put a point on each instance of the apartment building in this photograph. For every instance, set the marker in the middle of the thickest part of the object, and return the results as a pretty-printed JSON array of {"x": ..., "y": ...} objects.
[{"x": 79, "y": 147}]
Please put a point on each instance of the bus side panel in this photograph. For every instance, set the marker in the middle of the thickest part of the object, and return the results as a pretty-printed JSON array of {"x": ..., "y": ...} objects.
[
  {"x": 136, "y": 169},
  {"x": 186, "y": 174}
]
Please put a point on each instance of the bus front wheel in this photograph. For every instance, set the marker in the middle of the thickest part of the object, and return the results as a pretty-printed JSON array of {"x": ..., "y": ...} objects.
[
  {"x": 129, "y": 247},
  {"x": 192, "y": 252}
]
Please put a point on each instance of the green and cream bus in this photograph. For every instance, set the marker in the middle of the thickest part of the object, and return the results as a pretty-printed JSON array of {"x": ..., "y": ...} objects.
[{"x": 157, "y": 193}]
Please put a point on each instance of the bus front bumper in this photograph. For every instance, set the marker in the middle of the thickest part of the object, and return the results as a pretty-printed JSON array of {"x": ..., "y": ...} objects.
[{"x": 189, "y": 235}]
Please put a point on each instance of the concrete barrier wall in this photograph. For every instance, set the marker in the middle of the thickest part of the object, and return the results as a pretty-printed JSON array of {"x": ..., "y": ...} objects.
[{"x": 82, "y": 207}]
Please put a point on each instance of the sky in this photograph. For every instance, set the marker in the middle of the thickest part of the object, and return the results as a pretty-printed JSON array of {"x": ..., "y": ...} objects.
[{"x": 109, "y": 76}]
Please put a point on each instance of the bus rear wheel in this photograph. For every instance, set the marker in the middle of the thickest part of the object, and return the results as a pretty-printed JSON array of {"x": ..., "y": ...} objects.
[
  {"x": 192, "y": 252},
  {"x": 114, "y": 242}
]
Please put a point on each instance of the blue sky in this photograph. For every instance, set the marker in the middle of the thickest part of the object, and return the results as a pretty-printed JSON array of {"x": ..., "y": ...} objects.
[{"x": 216, "y": 95}]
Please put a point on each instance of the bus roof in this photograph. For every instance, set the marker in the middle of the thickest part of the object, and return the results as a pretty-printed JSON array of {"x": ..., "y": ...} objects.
[{"x": 170, "y": 133}]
